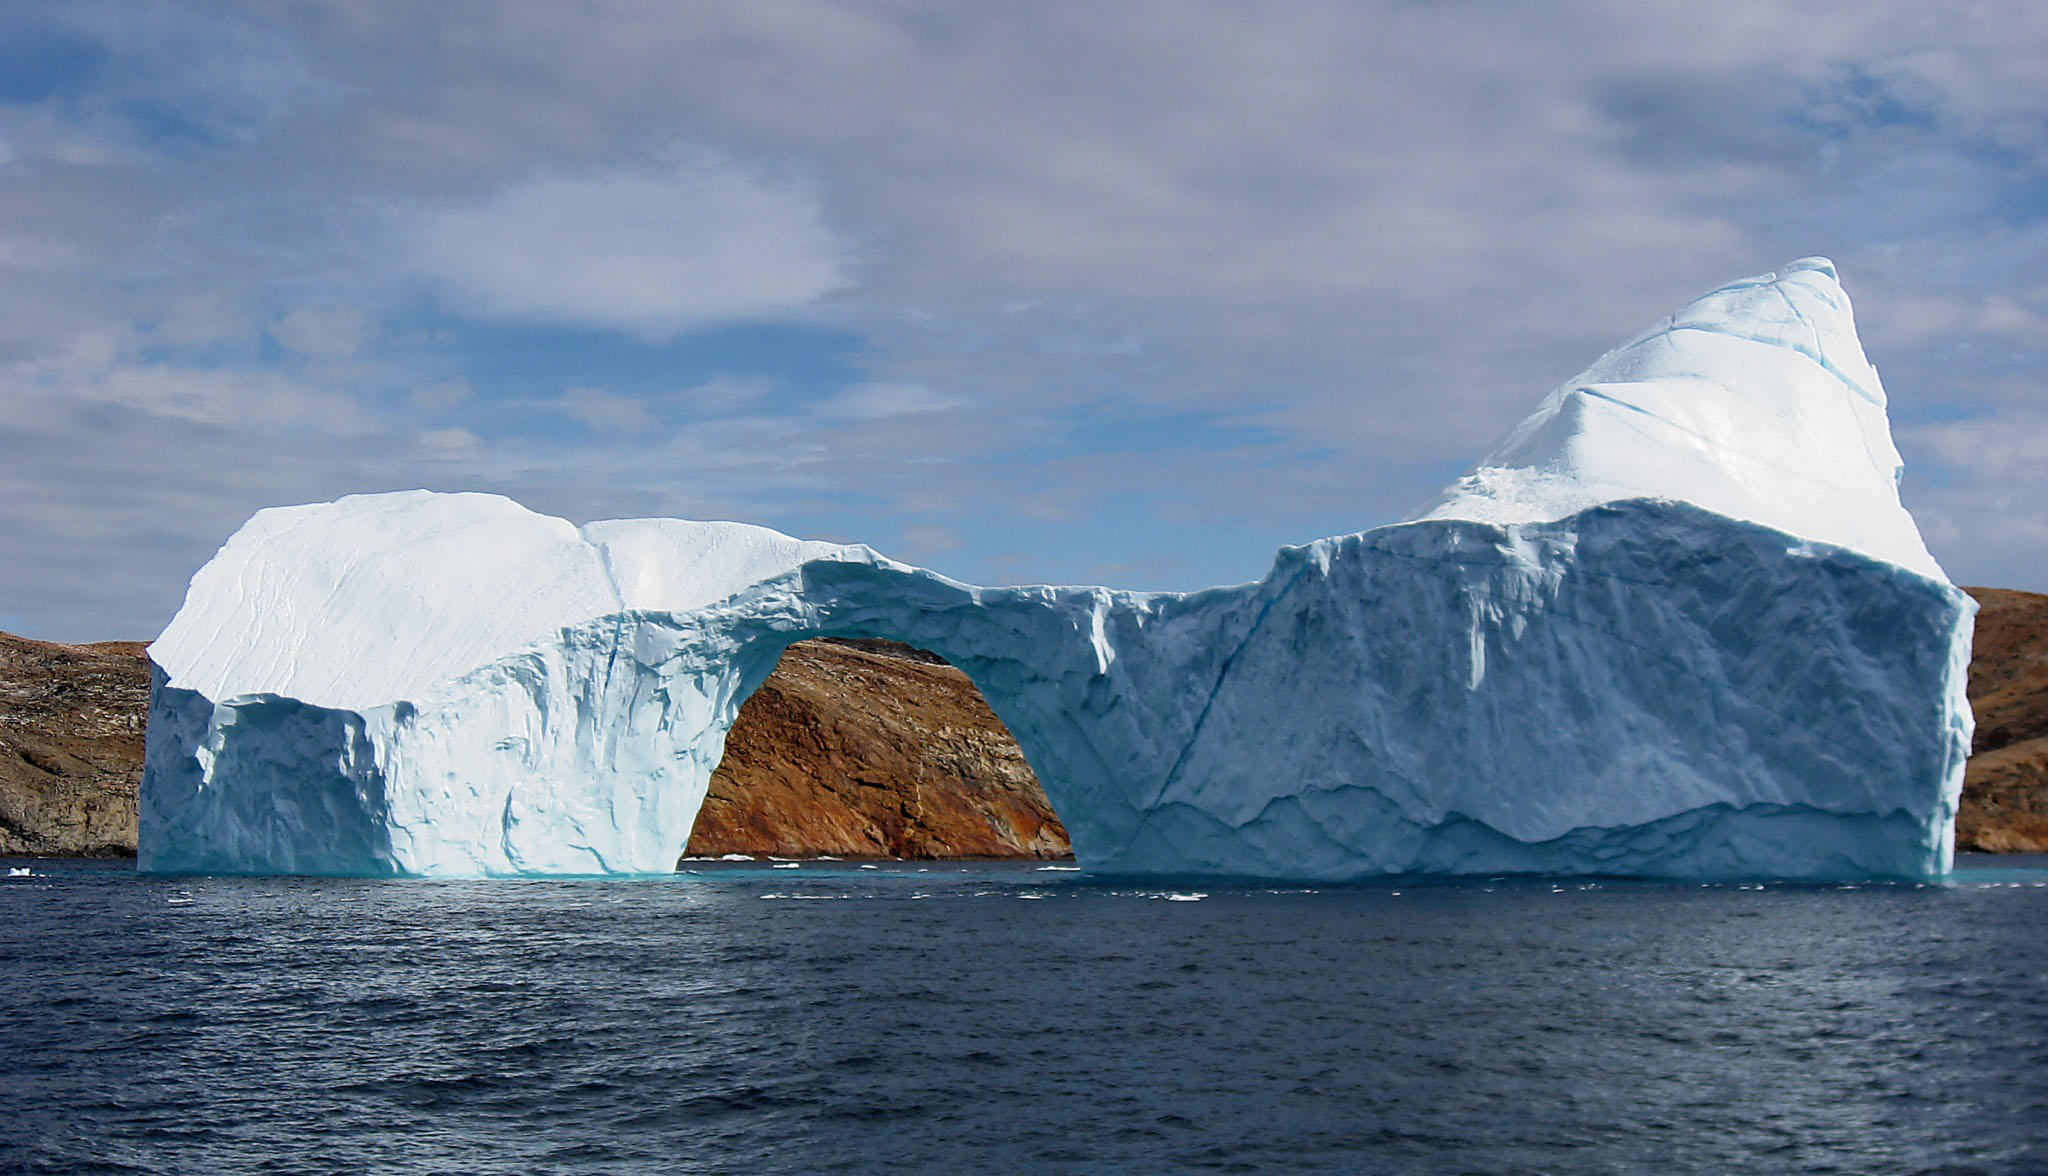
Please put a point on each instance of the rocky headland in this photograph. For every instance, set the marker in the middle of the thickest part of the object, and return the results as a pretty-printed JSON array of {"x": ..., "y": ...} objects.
[{"x": 863, "y": 749}]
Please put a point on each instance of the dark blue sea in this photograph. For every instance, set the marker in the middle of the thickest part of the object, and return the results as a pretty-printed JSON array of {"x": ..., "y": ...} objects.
[{"x": 998, "y": 1018}]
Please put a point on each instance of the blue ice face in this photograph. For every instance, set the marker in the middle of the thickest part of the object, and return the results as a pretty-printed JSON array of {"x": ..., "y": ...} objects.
[{"x": 1677, "y": 625}]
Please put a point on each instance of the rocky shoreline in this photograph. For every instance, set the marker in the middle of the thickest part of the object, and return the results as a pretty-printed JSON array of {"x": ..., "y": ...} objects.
[{"x": 862, "y": 749}]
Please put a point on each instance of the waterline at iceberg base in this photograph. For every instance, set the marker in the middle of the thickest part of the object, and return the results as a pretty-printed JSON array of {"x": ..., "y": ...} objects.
[{"x": 1677, "y": 624}]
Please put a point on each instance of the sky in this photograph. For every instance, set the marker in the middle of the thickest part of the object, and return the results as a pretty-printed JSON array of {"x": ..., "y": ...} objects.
[{"x": 1125, "y": 293}]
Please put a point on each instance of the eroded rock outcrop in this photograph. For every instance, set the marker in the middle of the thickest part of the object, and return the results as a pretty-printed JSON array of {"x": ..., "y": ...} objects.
[
  {"x": 865, "y": 752},
  {"x": 71, "y": 733},
  {"x": 2005, "y": 789}
]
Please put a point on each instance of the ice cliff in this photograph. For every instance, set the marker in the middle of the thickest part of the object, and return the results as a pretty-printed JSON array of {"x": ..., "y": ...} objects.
[{"x": 1677, "y": 624}]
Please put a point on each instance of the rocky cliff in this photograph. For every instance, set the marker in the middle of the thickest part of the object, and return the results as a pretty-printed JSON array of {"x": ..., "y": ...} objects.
[
  {"x": 868, "y": 749},
  {"x": 865, "y": 749},
  {"x": 70, "y": 746},
  {"x": 2005, "y": 790}
]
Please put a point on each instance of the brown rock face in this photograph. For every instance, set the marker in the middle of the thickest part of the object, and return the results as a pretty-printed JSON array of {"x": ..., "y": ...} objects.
[
  {"x": 869, "y": 750},
  {"x": 71, "y": 721},
  {"x": 2005, "y": 788}
]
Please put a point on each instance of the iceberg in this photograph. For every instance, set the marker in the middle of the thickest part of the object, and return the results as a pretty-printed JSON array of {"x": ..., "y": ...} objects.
[{"x": 1676, "y": 624}]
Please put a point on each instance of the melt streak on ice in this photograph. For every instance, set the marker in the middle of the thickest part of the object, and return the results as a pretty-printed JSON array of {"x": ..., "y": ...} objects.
[{"x": 1677, "y": 624}]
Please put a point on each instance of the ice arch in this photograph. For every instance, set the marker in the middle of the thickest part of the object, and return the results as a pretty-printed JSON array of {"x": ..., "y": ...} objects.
[{"x": 1677, "y": 624}]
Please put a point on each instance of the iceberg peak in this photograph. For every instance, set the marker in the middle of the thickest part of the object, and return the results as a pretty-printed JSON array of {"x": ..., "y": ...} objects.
[
  {"x": 1754, "y": 401},
  {"x": 1816, "y": 263}
]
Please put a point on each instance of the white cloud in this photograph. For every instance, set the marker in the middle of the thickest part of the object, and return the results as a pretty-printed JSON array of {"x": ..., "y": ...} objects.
[
  {"x": 726, "y": 394},
  {"x": 605, "y": 411},
  {"x": 1981, "y": 494},
  {"x": 1280, "y": 264},
  {"x": 441, "y": 396},
  {"x": 19, "y": 253},
  {"x": 97, "y": 369},
  {"x": 448, "y": 445},
  {"x": 923, "y": 541},
  {"x": 1925, "y": 316},
  {"x": 653, "y": 253},
  {"x": 195, "y": 320},
  {"x": 323, "y": 332},
  {"x": 881, "y": 401},
  {"x": 122, "y": 83},
  {"x": 2009, "y": 449}
]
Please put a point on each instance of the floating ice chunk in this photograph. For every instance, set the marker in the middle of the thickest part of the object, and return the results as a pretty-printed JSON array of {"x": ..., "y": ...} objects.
[{"x": 1677, "y": 623}]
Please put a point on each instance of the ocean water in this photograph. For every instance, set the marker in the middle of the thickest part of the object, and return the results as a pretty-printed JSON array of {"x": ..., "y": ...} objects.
[{"x": 1006, "y": 1018}]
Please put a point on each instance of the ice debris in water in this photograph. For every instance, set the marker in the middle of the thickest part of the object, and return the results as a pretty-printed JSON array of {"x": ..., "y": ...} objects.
[{"x": 1677, "y": 623}]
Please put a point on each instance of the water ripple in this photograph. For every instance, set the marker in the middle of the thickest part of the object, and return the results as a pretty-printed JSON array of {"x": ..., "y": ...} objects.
[{"x": 923, "y": 1019}]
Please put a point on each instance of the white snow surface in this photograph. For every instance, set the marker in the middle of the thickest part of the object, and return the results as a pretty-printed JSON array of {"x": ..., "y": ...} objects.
[
  {"x": 1677, "y": 624},
  {"x": 676, "y": 565},
  {"x": 378, "y": 597},
  {"x": 1755, "y": 401}
]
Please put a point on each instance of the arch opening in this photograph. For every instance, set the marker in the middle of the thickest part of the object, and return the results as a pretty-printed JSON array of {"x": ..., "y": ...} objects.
[{"x": 867, "y": 747}]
